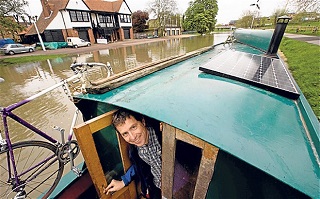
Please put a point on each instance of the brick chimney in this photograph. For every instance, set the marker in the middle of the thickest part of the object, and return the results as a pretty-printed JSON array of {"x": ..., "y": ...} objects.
[{"x": 46, "y": 9}]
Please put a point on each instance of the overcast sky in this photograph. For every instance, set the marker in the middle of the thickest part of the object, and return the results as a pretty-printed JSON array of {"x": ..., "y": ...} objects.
[{"x": 228, "y": 9}]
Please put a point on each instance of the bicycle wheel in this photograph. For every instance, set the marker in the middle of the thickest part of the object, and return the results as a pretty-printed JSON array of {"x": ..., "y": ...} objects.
[
  {"x": 38, "y": 167},
  {"x": 97, "y": 73}
]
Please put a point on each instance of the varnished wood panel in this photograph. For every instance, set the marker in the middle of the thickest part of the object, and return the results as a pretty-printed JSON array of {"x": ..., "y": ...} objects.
[
  {"x": 185, "y": 137},
  {"x": 99, "y": 122},
  {"x": 206, "y": 169},
  {"x": 168, "y": 157},
  {"x": 90, "y": 155},
  {"x": 83, "y": 133}
]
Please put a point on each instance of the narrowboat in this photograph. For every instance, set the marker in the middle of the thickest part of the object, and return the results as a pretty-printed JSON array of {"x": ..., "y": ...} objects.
[{"x": 231, "y": 113}]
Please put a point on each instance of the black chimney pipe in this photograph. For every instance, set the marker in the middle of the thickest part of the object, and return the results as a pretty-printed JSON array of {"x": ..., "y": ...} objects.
[{"x": 278, "y": 33}]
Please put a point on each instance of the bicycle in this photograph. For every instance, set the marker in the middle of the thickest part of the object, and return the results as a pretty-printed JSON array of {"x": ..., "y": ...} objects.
[{"x": 33, "y": 168}]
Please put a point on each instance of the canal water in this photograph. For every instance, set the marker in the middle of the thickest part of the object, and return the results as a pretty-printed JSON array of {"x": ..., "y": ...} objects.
[{"x": 55, "y": 108}]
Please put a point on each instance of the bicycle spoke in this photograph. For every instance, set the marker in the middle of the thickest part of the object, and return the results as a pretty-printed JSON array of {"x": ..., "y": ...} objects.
[
  {"x": 39, "y": 170},
  {"x": 41, "y": 183},
  {"x": 27, "y": 159}
]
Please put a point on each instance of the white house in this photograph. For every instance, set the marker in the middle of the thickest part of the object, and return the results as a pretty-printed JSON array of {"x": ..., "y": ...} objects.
[{"x": 88, "y": 19}]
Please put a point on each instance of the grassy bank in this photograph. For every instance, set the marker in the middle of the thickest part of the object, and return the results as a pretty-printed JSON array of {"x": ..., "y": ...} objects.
[
  {"x": 305, "y": 28},
  {"x": 304, "y": 64},
  {"x": 24, "y": 59}
]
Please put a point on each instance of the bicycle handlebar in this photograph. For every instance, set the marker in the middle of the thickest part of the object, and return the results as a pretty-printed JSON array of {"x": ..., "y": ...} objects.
[{"x": 76, "y": 69}]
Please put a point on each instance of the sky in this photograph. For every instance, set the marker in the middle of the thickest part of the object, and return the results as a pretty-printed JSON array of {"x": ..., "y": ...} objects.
[{"x": 228, "y": 9}]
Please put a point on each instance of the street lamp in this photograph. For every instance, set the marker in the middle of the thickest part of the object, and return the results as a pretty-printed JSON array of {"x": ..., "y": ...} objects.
[
  {"x": 257, "y": 5},
  {"x": 39, "y": 36},
  {"x": 36, "y": 27}
]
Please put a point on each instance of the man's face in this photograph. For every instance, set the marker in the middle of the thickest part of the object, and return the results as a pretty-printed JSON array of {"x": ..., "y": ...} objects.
[{"x": 133, "y": 131}]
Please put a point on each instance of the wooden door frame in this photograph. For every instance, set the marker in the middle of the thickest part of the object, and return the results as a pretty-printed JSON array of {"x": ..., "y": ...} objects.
[
  {"x": 84, "y": 134},
  {"x": 206, "y": 167}
]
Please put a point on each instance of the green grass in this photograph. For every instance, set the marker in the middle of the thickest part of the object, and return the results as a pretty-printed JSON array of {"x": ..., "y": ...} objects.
[
  {"x": 24, "y": 59},
  {"x": 304, "y": 65},
  {"x": 303, "y": 31},
  {"x": 305, "y": 28}
]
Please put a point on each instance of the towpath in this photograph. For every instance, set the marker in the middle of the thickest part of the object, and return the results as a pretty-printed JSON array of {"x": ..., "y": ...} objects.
[{"x": 306, "y": 38}]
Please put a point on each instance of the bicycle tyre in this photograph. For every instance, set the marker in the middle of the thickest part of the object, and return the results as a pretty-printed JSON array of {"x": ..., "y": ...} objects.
[
  {"x": 97, "y": 73},
  {"x": 39, "y": 181}
]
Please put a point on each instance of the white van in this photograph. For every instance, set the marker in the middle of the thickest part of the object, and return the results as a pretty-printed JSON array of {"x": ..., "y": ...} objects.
[{"x": 76, "y": 42}]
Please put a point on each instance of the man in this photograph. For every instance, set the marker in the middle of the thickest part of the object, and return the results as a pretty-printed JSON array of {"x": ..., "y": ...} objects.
[{"x": 144, "y": 153}]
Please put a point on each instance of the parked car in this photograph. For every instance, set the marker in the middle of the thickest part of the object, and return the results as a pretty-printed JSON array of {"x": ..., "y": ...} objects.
[
  {"x": 12, "y": 49},
  {"x": 76, "y": 42}
]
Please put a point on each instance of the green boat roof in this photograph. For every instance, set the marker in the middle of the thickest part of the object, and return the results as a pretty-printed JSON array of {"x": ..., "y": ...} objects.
[{"x": 262, "y": 128}]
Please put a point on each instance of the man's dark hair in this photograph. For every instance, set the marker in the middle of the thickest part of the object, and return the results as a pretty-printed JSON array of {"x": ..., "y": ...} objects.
[{"x": 120, "y": 116}]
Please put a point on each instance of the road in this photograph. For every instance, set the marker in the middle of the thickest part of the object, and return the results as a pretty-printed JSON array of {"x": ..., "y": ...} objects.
[
  {"x": 306, "y": 38},
  {"x": 131, "y": 42}
]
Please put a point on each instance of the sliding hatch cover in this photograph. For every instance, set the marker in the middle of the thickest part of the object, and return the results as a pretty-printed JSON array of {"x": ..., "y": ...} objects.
[{"x": 257, "y": 70}]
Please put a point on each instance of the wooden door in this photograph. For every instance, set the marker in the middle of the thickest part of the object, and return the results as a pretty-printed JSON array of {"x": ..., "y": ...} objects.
[{"x": 84, "y": 134}]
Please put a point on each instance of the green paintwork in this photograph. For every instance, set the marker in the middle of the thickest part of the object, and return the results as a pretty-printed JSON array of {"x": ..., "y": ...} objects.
[
  {"x": 257, "y": 126},
  {"x": 65, "y": 181},
  {"x": 257, "y": 38}
]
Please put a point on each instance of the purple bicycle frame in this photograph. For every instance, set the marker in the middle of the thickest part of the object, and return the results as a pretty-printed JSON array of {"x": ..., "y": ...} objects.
[{"x": 7, "y": 112}]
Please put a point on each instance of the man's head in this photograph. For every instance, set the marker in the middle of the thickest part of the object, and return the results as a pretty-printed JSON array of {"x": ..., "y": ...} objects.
[{"x": 131, "y": 126}]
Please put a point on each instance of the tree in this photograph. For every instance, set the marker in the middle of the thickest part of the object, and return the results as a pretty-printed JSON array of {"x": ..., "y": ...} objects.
[
  {"x": 11, "y": 7},
  {"x": 201, "y": 16},
  {"x": 245, "y": 20},
  {"x": 8, "y": 26},
  {"x": 8, "y": 9},
  {"x": 306, "y": 5},
  {"x": 162, "y": 9},
  {"x": 278, "y": 13},
  {"x": 139, "y": 19}
]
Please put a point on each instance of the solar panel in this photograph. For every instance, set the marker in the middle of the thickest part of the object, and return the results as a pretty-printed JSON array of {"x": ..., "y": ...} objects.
[{"x": 257, "y": 70}]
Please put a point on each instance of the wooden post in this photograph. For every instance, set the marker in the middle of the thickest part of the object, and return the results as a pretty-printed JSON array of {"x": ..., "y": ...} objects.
[
  {"x": 206, "y": 169},
  {"x": 168, "y": 157}
]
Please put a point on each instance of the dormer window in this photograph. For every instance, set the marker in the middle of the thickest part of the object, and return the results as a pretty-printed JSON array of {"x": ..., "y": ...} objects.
[{"x": 125, "y": 18}]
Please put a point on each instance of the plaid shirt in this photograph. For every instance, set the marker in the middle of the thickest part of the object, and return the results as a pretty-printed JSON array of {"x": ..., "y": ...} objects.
[{"x": 151, "y": 154}]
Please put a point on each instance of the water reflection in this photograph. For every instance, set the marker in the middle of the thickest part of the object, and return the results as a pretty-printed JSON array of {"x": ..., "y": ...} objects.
[{"x": 55, "y": 108}]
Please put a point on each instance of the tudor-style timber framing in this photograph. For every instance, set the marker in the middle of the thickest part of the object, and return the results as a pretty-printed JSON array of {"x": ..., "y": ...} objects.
[{"x": 96, "y": 21}]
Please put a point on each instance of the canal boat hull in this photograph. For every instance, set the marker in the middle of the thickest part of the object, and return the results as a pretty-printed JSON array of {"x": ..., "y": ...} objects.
[{"x": 260, "y": 143}]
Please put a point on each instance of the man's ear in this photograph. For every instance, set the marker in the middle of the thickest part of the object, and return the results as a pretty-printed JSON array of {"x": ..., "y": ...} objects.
[{"x": 143, "y": 122}]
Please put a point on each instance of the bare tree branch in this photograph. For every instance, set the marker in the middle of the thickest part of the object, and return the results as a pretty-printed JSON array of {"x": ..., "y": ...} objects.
[{"x": 306, "y": 5}]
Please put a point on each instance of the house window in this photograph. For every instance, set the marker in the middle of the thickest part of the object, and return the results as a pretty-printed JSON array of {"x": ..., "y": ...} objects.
[
  {"x": 125, "y": 18},
  {"x": 53, "y": 35},
  {"x": 78, "y": 16},
  {"x": 109, "y": 19},
  {"x": 101, "y": 19},
  {"x": 105, "y": 19}
]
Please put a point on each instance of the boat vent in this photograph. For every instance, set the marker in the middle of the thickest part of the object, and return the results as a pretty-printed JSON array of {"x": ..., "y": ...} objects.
[{"x": 257, "y": 70}]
